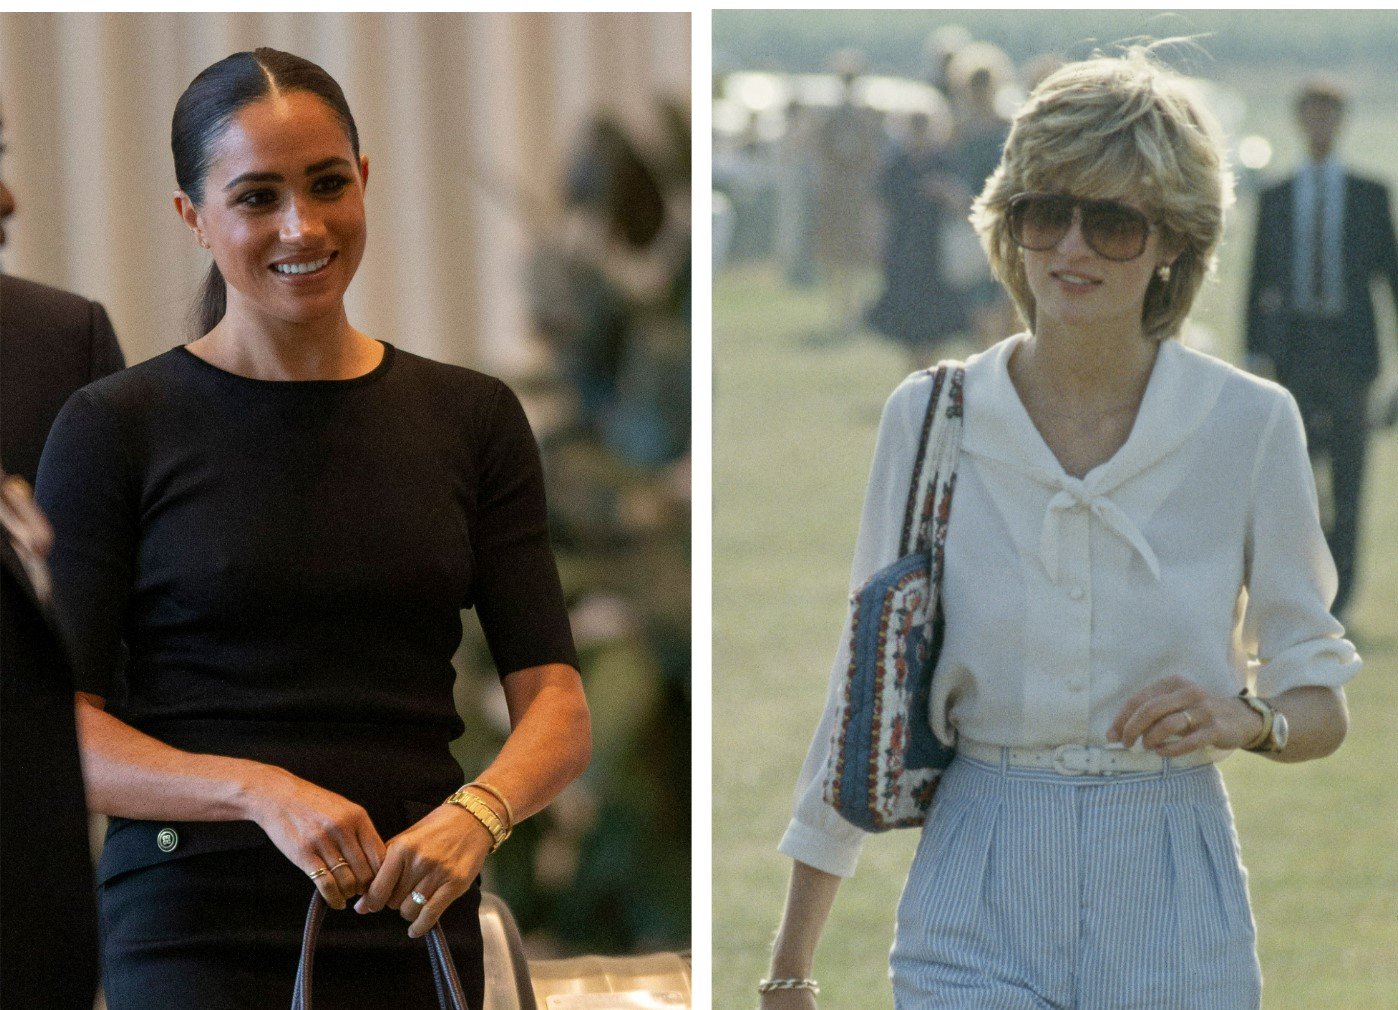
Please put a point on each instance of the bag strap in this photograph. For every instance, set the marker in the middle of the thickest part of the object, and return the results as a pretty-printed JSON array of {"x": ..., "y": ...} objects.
[
  {"x": 934, "y": 470},
  {"x": 450, "y": 995}
]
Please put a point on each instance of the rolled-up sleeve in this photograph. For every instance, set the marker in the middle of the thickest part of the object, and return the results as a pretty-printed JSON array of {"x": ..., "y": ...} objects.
[
  {"x": 817, "y": 835},
  {"x": 1291, "y": 575}
]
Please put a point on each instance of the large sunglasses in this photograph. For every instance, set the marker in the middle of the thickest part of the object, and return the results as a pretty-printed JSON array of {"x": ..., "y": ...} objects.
[{"x": 1038, "y": 221}]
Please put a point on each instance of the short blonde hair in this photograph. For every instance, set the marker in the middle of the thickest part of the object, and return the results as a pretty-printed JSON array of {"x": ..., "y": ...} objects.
[{"x": 1117, "y": 127}]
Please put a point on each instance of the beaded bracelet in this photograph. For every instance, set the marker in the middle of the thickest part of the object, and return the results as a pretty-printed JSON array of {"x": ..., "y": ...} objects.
[{"x": 773, "y": 984}]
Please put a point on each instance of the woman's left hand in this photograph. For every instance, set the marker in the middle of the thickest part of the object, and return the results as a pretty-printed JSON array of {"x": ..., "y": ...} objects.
[
  {"x": 438, "y": 857},
  {"x": 1175, "y": 716}
]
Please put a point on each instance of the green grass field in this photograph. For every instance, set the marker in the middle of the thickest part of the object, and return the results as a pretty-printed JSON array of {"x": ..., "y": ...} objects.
[{"x": 794, "y": 428}]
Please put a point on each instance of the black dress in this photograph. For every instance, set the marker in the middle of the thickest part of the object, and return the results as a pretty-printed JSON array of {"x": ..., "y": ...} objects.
[
  {"x": 918, "y": 307},
  {"x": 286, "y": 563}
]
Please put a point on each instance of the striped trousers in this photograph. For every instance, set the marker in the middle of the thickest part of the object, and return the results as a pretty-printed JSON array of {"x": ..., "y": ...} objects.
[{"x": 1033, "y": 890}]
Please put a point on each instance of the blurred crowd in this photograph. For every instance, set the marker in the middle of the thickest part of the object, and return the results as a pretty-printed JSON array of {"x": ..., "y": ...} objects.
[
  {"x": 606, "y": 869},
  {"x": 874, "y": 171}
]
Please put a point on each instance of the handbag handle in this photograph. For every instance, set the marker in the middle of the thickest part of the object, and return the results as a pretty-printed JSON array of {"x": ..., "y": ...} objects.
[{"x": 450, "y": 995}]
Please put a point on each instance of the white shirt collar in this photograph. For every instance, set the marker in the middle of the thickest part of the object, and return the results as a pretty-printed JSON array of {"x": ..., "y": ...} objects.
[{"x": 1181, "y": 392}]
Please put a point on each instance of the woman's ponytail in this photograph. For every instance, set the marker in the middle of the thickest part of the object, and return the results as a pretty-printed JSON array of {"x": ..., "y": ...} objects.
[{"x": 213, "y": 302}]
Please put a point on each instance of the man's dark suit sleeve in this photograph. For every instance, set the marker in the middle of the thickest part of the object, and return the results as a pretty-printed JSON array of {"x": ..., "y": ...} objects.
[
  {"x": 106, "y": 352},
  {"x": 1388, "y": 245}
]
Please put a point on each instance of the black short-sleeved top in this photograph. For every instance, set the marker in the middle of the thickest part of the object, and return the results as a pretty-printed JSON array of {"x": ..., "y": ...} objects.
[{"x": 287, "y": 561}]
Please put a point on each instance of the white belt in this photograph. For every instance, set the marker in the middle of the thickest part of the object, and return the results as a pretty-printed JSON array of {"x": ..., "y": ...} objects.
[{"x": 1083, "y": 759}]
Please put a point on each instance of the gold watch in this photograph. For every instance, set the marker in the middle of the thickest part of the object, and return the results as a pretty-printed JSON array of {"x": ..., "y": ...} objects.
[
  {"x": 480, "y": 810},
  {"x": 1275, "y": 731}
]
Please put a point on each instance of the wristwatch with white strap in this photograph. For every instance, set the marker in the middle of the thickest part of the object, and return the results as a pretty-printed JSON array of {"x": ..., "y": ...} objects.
[{"x": 1274, "y": 733}]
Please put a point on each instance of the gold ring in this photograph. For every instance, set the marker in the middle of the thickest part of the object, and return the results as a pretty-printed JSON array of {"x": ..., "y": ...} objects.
[
  {"x": 343, "y": 862},
  {"x": 319, "y": 873},
  {"x": 1189, "y": 720}
]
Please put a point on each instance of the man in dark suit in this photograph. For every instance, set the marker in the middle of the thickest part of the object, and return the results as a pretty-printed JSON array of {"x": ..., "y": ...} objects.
[
  {"x": 51, "y": 343},
  {"x": 1323, "y": 236}
]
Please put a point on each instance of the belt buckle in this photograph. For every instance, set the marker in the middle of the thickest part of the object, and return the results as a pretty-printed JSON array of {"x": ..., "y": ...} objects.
[{"x": 1079, "y": 759}]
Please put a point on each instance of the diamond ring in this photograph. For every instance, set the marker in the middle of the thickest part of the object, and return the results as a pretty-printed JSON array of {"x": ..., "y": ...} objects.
[{"x": 418, "y": 899}]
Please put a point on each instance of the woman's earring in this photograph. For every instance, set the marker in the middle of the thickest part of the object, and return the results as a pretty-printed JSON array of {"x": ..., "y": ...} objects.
[{"x": 1163, "y": 273}]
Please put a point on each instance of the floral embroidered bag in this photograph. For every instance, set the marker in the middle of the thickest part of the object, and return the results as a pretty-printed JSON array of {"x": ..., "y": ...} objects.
[{"x": 884, "y": 759}]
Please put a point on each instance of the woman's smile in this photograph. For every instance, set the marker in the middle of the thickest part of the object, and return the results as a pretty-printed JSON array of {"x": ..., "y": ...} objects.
[
  {"x": 301, "y": 269},
  {"x": 1075, "y": 281}
]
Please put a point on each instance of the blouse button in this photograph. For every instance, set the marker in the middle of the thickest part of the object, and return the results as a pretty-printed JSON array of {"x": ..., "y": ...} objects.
[{"x": 1077, "y": 592}]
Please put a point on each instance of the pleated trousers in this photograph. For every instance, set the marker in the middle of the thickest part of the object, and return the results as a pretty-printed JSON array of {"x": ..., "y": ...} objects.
[{"x": 1034, "y": 890}]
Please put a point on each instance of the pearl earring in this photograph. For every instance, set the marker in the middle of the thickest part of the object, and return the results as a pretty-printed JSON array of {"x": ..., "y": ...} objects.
[{"x": 1163, "y": 273}]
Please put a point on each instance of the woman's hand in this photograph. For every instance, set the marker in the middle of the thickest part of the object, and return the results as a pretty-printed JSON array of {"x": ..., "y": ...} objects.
[
  {"x": 317, "y": 829},
  {"x": 1175, "y": 716},
  {"x": 438, "y": 857}
]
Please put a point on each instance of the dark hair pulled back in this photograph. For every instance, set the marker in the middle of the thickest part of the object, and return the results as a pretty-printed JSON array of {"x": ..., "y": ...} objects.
[{"x": 206, "y": 108}]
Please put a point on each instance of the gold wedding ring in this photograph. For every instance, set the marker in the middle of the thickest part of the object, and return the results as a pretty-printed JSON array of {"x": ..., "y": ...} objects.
[
  {"x": 327, "y": 869},
  {"x": 1188, "y": 719}
]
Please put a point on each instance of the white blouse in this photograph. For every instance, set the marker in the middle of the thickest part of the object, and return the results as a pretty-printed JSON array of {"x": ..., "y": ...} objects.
[{"x": 1193, "y": 550}]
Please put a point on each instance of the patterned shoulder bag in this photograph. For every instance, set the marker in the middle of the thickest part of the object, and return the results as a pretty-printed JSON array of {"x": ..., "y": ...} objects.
[{"x": 884, "y": 759}]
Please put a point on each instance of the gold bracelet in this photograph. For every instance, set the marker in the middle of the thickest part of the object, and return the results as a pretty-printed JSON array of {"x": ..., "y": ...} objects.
[
  {"x": 509, "y": 810},
  {"x": 773, "y": 984},
  {"x": 480, "y": 810}
]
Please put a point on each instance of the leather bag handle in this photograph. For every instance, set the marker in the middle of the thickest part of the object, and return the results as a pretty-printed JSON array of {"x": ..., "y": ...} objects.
[{"x": 450, "y": 995}]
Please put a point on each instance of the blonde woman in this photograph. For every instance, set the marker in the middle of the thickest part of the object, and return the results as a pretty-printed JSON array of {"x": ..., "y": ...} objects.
[{"x": 1133, "y": 522}]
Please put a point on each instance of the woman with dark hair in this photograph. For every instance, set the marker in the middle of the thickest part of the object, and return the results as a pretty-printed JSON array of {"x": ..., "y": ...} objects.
[{"x": 281, "y": 521}]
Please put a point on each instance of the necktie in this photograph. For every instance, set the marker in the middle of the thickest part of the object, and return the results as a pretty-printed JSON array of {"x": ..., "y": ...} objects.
[{"x": 1318, "y": 302}]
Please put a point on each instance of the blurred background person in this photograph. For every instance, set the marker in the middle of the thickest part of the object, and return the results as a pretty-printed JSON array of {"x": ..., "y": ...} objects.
[
  {"x": 479, "y": 114},
  {"x": 939, "y": 49},
  {"x": 1323, "y": 236},
  {"x": 847, "y": 146},
  {"x": 919, "y": 308},
  {"x": 796, "y": 170},
  {"x": 980, "y": 79}
]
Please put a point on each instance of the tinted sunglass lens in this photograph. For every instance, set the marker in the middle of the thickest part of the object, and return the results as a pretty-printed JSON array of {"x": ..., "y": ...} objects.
[
  {"x": 1040, "y": 222},
  {"x": 1114, "y": 230}
]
